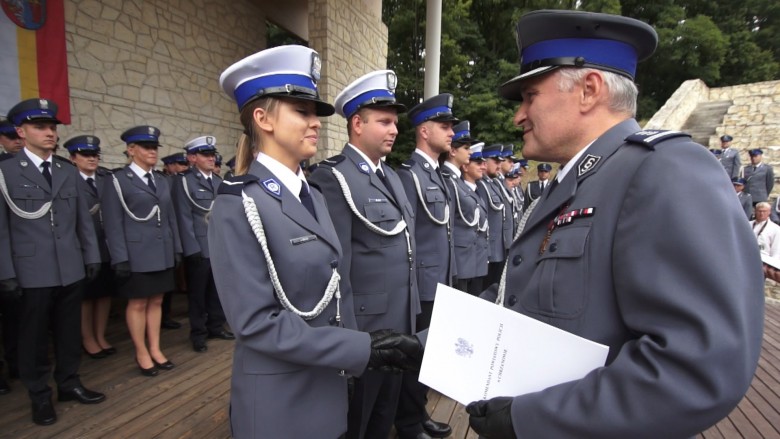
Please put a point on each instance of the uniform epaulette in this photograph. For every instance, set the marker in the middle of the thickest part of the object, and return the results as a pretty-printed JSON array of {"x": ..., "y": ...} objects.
[
  {"x": 650, "y": 138},
  {"x": 333, "y": 161},
  {"x": 234, "y": 185},
  {"x": 409, "y": 164},
  {"x": 156, "y": 172},
  {"x": 62, "y": 160},
  {"x": 5, "y": 156},
  {"x": 446, "y": 173},
  {"x": 103, "y": 172},
  {"x": 185, "y": 172}
]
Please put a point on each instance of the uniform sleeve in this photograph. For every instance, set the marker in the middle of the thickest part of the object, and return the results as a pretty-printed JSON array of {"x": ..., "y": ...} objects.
[
  {"x": 735, "y": 171},
  {"x": 250, "y": 305},
  {"x": 689, "y": 287},
  {"x": 7, "y": 267},
  {"x": 87, "y": 234},
  {"x": 340, "y": 215},
  {"x": 113, "y": 223},
  {"x": 411, "y": 192},
  {"x": 185, "y": 222},
  {"x": 770, "y": 180}
]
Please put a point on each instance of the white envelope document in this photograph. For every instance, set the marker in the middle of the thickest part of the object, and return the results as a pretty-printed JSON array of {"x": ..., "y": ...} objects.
[{"x": 479, "y": 350}]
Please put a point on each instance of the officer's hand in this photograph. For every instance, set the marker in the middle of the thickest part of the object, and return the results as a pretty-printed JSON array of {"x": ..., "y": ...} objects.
[
  {"x": 194, "y": 258},
  {"x": 10, "y": 289},
  {"x": 177, "y": 260},
  {"x": 121, "y": 270},
  {"x": 92, "y": 271},
  {"x": 389, "y": 351},
  {"x": 492, "y": 419}
]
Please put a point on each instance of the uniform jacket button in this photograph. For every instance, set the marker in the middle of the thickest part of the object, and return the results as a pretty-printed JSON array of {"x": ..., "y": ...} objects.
[
  {"x": 362, "y": 307},
  {"x": 332, "y": 320},
  {"x": 512, "y": 300},
  {"x": 553, "y": 247},
  {"x": 517, "y": 260}
]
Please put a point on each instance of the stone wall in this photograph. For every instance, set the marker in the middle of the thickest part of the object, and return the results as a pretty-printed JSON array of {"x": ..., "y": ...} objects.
[
  {"x": 753, "y": 120},
  {"x": 679, "y": 106},
  {"x": 156, "y": 62},
  {"x": 352, "y": 40}
]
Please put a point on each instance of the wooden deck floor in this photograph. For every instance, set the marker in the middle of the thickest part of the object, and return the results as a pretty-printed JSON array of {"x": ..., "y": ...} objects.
[{"x": 191, "y": 400}]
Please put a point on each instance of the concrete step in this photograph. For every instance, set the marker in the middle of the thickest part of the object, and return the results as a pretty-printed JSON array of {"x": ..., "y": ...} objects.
[{"x": 705, "y": 119}]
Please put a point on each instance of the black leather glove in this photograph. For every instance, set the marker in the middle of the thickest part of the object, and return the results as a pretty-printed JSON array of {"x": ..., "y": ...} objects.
[
  {"x": 92, "y": 271},
  {"x": 193, "y": 258},
  {"x": 10, "y": 289},
  {"x": 492, "y": 418},
  {"x": 121, "y": 270},
  {"x": 177, "y": 260},
  {"x": 394, "y": 352}
]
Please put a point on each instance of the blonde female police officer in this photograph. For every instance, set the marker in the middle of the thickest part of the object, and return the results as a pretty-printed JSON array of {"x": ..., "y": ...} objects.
[{"x": 275, "y": 257}]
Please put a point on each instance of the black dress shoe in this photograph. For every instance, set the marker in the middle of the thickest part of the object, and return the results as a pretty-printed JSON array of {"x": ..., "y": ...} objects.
[
  {"x": 170, "y": 324},
  {"x": 436, "y": 429},
  {"x": 223, "y": 334},
  {"x": 199, "y": 346},
  {"x": 4, "y": 387},
  {"x": 81, "y": 394},
  {"x": 150, "y": 372},
  {"x": 97, "y": 355},
  {"x": 43, "y": 413},
  {"x": 168, "y": 365},
  {"x": 109, "y": 351}
]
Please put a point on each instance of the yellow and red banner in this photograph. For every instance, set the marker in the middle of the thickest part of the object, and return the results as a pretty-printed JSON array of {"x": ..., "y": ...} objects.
[{"x": 33, "y": 57}]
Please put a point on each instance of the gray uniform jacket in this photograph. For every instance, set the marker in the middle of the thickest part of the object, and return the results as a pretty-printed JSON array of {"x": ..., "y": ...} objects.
[
  {"x": 193, "y": 225},
  {"x": 639, "y": 273},
  {"x": 286, "y": 379},
  {"x": 471, "y": 245},
  {"x": 508, "y": 225},
  {"x": 147, "y": 245},
  {"x": 759, "y": 181},
  {"x": 746, "y": 201},
  {"x": 52, "y": 250},
  {"x": 534, "y": 190},
  {"x": 496, "y": 211},
  {"x": 729, "y": 158},
  {"x": 94, "y": 205},
  {"x": 380, "y": 269},
  {"x": 434, "y": 260}
]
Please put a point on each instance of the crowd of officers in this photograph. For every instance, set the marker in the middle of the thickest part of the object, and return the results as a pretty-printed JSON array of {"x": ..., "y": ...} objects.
[{"x": 135, "y": 225}]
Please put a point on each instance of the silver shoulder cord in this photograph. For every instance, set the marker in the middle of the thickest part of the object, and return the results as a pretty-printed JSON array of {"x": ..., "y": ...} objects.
[
  {"x": 506, "y": 194},
  {"x": 155, "y": 210},
  {"x": 490, "y": 200},
  {"x": 400, "y": 227},
  {"x": 523, "y": 220},
  {"x": 446, "y": 219},
  {"x": 16, "y": 209},
  {"x": 189, "y": 197},
  {"x": 253, "y": 216},
  {"x": 471, "y": 223}
]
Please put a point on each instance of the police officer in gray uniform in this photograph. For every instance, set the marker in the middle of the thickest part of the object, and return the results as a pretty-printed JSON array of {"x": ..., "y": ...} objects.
[
  {"x": 507, "y": 149},
  {"x": 497, "y": 212},
  {"x": 194, "y": 192},
  {"x": 612, "y": 255},
  {"x": 471, "y": 221},
  {"x": 276, "y": 260},
  {"x": 745, "y": 200},
  {"x": 536, "y": 188},
  {"x": 10, "y": 142},
  {"x": 429, "y": 196},
  {"x": 729, "y": 156},
  {"x": 48, "y": 246},
  {"x": 759, "y": 177},
  {"x": 143, "y": 240},
  {"x": 374, "y": 223}
]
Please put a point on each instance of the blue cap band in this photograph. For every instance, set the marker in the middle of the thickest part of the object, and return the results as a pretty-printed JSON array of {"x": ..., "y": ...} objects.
[
  {"x": 491, "y": 153},
  {"x": 352, "y": 106},
  {"x": 249, "y": 89},
  {"x": 21, "y": 117},
  {"x": 475, "y": 156},
  {"x": 79, "y": 147},
  {"x": 427, "y": 114},
  {"x": 141, "y": 138},
  {"x": 607, "y": 53},
  {"x": 460, "y": 134},
  {"x": 7, "y": 129}
]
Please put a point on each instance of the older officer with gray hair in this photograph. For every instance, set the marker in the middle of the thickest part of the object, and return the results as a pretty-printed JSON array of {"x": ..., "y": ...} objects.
[
  {"x": 374, "y": 222},
  {"x": 48, "y": 246},
  {"x": 610, "y": 254},
  {"x": 194, "y": 192}
]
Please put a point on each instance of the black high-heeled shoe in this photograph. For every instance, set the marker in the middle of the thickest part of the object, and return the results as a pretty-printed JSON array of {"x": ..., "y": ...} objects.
[
  {"x": 150, "y": 372},
  {"x": 109, "y": 351},
  {"x": 96, "y": 356},
  {"x": 168, "y": 365}
]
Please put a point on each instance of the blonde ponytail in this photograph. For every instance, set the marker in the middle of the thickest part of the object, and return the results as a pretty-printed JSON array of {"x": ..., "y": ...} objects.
[{"x": 249, "y": 142}]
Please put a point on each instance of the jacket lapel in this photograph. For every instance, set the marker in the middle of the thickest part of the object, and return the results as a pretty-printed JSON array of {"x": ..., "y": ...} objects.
[
  {"x": 356, "y": 160},
  {"x": 58, "y": 177},
  {"x": 137, "y": 181},
  {"x": 31, "y": 172}
]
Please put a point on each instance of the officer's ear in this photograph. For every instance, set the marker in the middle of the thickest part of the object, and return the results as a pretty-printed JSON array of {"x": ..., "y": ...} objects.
[{"x": 592, "y": 90}]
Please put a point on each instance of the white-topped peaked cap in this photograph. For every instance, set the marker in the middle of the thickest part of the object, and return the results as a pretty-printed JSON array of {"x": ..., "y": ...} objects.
[
  {"x": 285, "y": 71},
  {"x": 475, "y": 151},
  {"x": 372, "y": 89},
  {"x": 201, "y": 144}
]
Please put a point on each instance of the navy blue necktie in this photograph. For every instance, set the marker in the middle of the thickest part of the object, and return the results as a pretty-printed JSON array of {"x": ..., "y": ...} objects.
[
  {"x": 46, "y": 173},
  {"x": 306, "y": 200},
  {"x": 91, "y": 183},
  {"x": 383, "y": 178},
  {"x": 150, "y": 182}
]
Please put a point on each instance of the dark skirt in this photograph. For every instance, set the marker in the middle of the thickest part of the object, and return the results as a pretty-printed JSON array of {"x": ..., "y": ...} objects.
[
  {"x": 141, "y": 285},
  {"x": 103, "y": 285}
]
